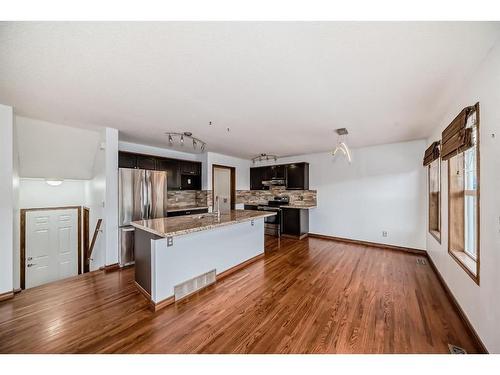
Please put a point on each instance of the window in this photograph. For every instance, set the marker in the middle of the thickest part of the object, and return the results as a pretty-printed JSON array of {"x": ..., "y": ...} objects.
[
  {"x": 463, "y": 198},
  {"x": 434, "y": 180}
]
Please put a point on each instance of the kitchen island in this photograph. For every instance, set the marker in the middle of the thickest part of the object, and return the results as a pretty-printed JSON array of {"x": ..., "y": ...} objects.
[{"x": 177, "y": 256}]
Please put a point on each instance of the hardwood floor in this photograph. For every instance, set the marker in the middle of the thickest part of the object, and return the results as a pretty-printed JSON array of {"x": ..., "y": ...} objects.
[{"x": 308, "y": 296}]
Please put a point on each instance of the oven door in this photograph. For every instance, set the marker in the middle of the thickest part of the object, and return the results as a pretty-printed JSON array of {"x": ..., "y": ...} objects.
[{"x": 275, "y": 219}]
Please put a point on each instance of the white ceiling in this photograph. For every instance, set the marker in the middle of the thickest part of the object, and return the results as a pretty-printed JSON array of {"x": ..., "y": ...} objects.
[
  {"x": 54, "y": 151},
  {"x": 281, "y": 87}
]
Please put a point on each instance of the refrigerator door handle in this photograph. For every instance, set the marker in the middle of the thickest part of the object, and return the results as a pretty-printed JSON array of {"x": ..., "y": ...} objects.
[
  {"x": 147, "y": 185},
  {"x": 143, "y": 195}
]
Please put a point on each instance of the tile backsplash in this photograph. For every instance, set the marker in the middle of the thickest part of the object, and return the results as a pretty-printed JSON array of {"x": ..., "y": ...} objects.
[
  {"x": 186, "y": 198},
  {"x": 190, "y": 198},
  {"x": 262, "y": 196}
]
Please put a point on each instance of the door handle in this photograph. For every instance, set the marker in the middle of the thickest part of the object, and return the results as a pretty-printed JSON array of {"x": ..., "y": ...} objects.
[
  {"x": 31, "y": 264},
  {"x": 30, "y": 258}
]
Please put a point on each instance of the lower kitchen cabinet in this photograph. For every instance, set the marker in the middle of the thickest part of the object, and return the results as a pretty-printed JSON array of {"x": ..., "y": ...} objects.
[
  {"x": 295, "y": 221},
  {"x": 188, "y": 212}
]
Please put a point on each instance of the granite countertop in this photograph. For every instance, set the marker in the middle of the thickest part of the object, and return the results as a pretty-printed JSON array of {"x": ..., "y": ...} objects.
[
  {"x": 187, "y": 208},
  {"x": 292, "y": 205},
  {"x": 300, "y": 205},
  {"x": 179, "y": 225}
]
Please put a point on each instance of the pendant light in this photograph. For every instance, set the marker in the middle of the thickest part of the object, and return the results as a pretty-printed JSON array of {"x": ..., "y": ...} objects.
[{"x": 342, "y": 145}]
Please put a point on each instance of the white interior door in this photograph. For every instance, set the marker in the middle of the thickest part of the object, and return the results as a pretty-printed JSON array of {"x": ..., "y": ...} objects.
[
  {"x": 51, "y": 246},
  {"x": 222, "y": 188}
]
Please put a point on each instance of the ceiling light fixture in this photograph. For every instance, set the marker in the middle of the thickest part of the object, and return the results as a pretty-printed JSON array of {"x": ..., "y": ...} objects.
[
  {"x": 263, "y": 157},
  {"x": 178, "y": 139},
  {"x": 342, "y": 145},
  {"x": 53, "y": 182}
]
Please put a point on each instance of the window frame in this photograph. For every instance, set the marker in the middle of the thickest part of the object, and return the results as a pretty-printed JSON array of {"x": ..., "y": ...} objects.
[
  {"x": 463, "y": 258},
  {"x": 436, "y": 234}
]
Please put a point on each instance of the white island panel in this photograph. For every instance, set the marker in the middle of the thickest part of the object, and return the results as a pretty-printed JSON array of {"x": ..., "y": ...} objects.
[{"x": 196, "y": 253}]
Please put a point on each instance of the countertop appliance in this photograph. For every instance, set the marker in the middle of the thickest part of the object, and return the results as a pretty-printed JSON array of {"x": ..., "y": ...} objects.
[
  {"x": 273, "y": 225},
  {"x": 142, "y": 195}
]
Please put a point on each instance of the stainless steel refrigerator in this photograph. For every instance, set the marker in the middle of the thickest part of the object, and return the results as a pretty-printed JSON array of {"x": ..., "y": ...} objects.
[{"x": 142, "y": 195}]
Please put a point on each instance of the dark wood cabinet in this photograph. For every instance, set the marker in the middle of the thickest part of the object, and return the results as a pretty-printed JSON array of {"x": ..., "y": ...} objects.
[
  {"x": 295, "y": 221},
  {"x": 187, "y": 212},
  {"x": 190, "y": 182},
  {"x": 257, "y": 175},
  {"x": 171, "y": 166},
  {"x": 278, "y": 171},
  {"x": 127, "y": 160},
  {"x": 190, "y": 167},
  {"x": 146, "y": 162},
  {"x": 296, "y": 176},
  {"x": 181, "y": 174}
]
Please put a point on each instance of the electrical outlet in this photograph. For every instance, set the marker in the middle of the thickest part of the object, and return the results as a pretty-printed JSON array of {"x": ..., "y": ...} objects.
[{"x": 384, "y": 233}]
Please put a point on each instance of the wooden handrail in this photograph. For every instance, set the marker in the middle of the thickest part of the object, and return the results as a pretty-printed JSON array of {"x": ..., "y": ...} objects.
[{"x": 94, "y": 238}]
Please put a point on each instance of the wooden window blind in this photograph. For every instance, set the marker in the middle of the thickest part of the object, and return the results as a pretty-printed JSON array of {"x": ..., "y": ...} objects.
[
  {"x": 432, "y": 153},
  {"x": 457, "y": 137}
]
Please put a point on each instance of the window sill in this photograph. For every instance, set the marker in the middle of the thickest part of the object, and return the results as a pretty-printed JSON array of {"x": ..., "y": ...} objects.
[{"x": 468, "y": 264}]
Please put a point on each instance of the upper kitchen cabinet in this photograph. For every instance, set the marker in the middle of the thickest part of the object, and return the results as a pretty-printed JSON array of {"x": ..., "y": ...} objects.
[
  {"x": 146, "y": 162},
  {"x": 181, "y": 174},
  {"x": 127, "y": 160},
  {"x": 171, "y": 166},
  {"x": 297, "y": 176},
  {"x": 278, "y": 172},
  {"x": 257, "y": 175},
  {"x": 190, "y": 167},
  {"x": 130, "y": 160}
]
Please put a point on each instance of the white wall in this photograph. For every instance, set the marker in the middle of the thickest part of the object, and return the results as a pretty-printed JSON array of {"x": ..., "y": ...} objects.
[
  {"x": 481, "y": 303},
  {"x": 95, "y": 200},
  {"x": 49, "y": 150},
  {"x": 35, "y": 192},
  {"x": 157, "y": 151},
  {"x": 17, "y": 218},
  {"x": 382, "y": 190},
  {"x": 6, "y": 199},
  {"x": 111, "y": 196}
]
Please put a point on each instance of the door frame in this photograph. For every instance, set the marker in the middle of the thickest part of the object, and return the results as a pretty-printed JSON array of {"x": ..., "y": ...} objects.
[
  {"x": 23, "y": 237},
  {"x": 233, "y": 184},
  {"x": 86, "y": 239}
]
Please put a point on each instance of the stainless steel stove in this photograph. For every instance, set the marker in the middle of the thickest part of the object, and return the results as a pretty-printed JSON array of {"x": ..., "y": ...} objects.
[{"x": 273, "y": 225}]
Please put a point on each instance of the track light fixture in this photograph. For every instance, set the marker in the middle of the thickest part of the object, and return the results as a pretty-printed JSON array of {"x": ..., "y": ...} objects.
[
  {"x": 178, "y": 139},
  {"x": 263, "y": 157}
]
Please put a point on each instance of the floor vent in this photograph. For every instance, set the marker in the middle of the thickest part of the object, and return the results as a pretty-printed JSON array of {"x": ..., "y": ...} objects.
[
  {"x": 193, "y": 285},
  {"x": 456, "y": 349},
  {"x": 421, "y": 261}
]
